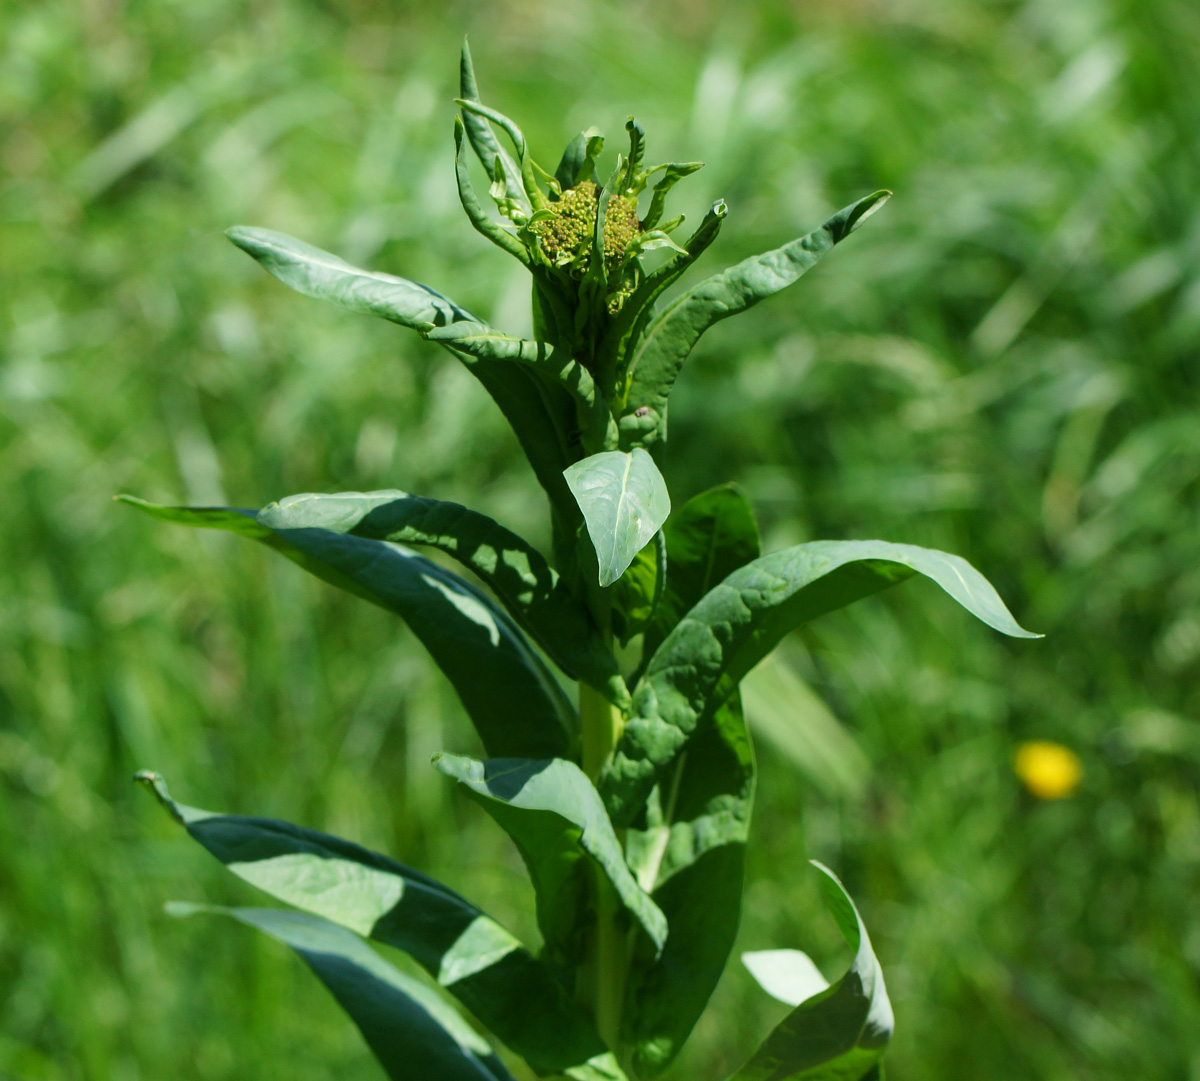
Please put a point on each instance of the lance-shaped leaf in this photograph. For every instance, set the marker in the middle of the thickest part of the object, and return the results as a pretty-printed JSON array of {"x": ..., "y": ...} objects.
[
  {"x": 317, "y": 273},
  {"x": 668, "y": 341},
  {"x": 514, "y": 702},
  {"x": 324, "y": 276},
  {"x": 531, "y": 590},
  {"x": 624, "y": 502},
  {"x": 412, "y": 1032},
  {"x": 554, "y": 816},
  {"x": 483, "y": 141},
  {"x": 739, "y": 622},
  {"x": 533, "y": 194},
  {"x": 625, "y": 330},
  {"x": 840, "y": 1033},
  {"x": 692, "y": 857},
  {"x": 514, "y": 994},
  {"x": 707, "y": 539}
]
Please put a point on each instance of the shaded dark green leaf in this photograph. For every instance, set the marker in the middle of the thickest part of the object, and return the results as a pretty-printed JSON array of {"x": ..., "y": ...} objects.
[
  {"x": 624, "y": 502},
  {"x": 840, "y": 1033},
  {"x": 691, "y": 855},
  {"x": 530, "y": 589},
  {"x": 636, "y": 594},
  {"x": 660, "y": 354},
  {"x": 409, "y": 1028},
  {"x": 739, "y": 621},
  {"x": 556, "y": 819},
  {"x": 488, "y": 970},
  {"x": 513, "y": 700}
]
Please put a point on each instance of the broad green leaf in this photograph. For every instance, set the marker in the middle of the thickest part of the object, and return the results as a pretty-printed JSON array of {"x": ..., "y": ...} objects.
[
  {"x": 739, "y": 622},
  {"x": 578, "y": 162},
  {"x": 554, "y": 816},
  {"x": 668, "y": 341},
  {"x": 691, "y": 855},
  {"x": 624, "y": 503},
  {"x": 319, "y": 274},
  {"x": 840, "y": 1033},
  {"x": 514, "y": 702},
  {"x": 787, "y": 975},
  {"x": 539, "y": 425},
  {"x": 536, "y": 597},
  {"x": 707, "y": 539},
  {"x": 483, "y": 141},
  {"x": 409, "y": 1028},
  {"x": 488, "y": 970}
]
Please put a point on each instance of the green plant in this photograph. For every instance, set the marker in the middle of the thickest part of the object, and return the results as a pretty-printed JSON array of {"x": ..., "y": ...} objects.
[{"x": 631, "y": 811}]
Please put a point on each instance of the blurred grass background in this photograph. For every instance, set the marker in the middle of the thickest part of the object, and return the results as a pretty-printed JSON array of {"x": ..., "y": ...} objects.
[{"x": 1004, "y": 363}]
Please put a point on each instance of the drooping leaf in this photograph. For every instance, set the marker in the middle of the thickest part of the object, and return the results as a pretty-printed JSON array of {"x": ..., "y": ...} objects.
[
  {"x": 539, "y": 426},
  {"x": 322, "y": 275},
  {"x": 670, "y": 338},
  {"x": 412, "y": 1032},
  {"x": 624, "y": 502},
  {"x": 554, "y": 815},
  {"x": 840, "y": 1033},
  {"x": 707, "y": 539},
  {"x": 514, "y": 702},
  {"x": 787, "y": 975},
  {"x": 483, "y": 141},
  {"x": 514, "y": 994},
  {"x": 692, "y": 856},
  {"x": 534, "y": 594},
  {"x": 739, "y": 621}
]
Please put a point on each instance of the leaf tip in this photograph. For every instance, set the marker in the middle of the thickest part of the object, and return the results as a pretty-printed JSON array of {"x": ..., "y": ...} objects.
[{"x": 148, "y": 779}]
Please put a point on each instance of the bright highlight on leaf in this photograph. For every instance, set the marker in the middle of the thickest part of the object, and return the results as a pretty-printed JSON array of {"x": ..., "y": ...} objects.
[{"x": 624, "y": 502}]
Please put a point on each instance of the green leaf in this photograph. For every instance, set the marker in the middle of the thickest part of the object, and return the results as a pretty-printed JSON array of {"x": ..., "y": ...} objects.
[
  {"x": 482, "y": 222},
  {"x": 624, "y": 502},
  {"x": 536, "y": 597},
  {"x": 579, "y": 159},
  {"x": 319, "y": 274},
  {"x": 668, "y": 341},
  {"x": 409, "y": 1028},
  {"x": 554, "y": 816},
  {"x": 623, "y": 332},
  {"x": 840, "y": 1033},
  {"x": 488, "y": 970},
  {"x": 692, "y": 856},
  {"x": 483, "y": 141},
  {"x": 534, "y": 197},
  {"x": 707, "y": 539},
  {"x": 637, "y": 151},
  {"x": 739, "y": 622},
  {"x": 514, "y": 702},
  {"x": 637, "y": 593},
  {"x": 674, "y": 173}
]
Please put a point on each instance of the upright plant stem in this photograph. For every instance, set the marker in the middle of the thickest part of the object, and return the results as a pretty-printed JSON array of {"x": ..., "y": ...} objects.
[{"x": 603, "y": 977}]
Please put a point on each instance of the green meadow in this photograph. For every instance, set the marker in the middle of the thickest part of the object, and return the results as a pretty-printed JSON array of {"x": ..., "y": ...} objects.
[{"x": 1005, "y": 365}]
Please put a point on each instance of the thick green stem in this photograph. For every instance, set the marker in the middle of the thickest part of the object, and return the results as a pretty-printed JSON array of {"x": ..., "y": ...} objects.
[{"x": 603, "y": 976}]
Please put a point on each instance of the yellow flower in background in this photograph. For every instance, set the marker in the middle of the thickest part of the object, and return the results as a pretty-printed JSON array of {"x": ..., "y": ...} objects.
[{"x": 1048, "y": 770}]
